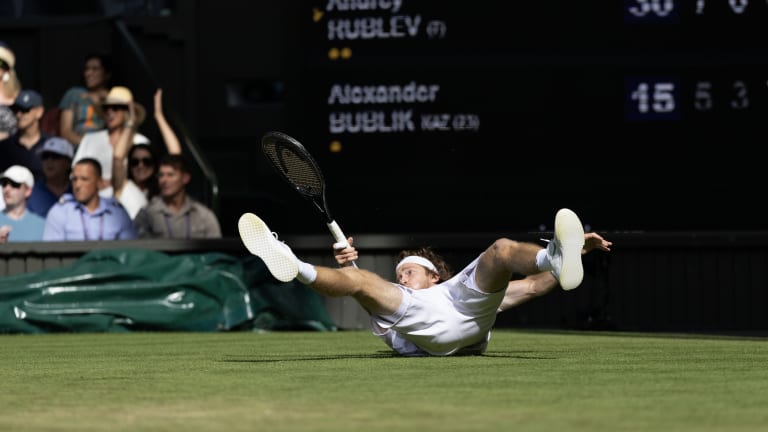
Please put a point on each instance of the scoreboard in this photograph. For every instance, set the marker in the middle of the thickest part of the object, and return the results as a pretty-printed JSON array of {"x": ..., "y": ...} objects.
[{"x": 432, "y": 115}]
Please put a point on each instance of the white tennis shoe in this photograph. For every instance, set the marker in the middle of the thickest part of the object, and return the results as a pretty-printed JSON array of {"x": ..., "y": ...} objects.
[
  {"x": 564, "y": 251},
  {"x": 263, "y": 243}
]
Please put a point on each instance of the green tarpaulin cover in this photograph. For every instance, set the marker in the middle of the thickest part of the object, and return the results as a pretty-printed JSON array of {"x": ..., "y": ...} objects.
[{"x": 144, "y": 290}]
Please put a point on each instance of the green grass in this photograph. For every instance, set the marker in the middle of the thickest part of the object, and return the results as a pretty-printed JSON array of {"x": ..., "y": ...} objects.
[{"x": 349, "y": 381}]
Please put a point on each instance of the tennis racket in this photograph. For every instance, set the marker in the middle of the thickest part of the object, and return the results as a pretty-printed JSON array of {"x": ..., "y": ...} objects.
[{"x": 296, "y": 166}]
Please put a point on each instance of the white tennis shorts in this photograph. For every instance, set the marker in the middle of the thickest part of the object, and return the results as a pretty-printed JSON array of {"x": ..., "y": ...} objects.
[{"x": 453, "y": 317}]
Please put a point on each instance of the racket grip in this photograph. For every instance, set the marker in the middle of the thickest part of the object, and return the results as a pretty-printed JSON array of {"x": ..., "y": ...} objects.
[{"x": 338, "y": 235}]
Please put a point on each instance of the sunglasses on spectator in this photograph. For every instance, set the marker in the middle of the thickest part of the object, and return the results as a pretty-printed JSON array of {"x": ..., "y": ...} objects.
[
  {"x": 18, "y": 109},
  {"x": 5, "y": 182},
  {"x": 51, "y": 155},
  {"x": 115, "y": 107},
  {"x": 4, "y": 65},
  {"x": 146, "y": 161}
]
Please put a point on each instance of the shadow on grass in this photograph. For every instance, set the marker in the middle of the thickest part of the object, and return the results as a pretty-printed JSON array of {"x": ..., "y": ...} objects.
[
  {"x": 521, "y": 355},
  {"x": 380, "y": 354}
]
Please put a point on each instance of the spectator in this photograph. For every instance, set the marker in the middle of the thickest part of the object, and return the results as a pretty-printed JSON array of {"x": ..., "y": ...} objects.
[
  {"x": 9, "y": 89},
  {"x": 29, "y": 109},
  {"x": 18, "y": 223},
  {"x": 22, "y": 147},
  {"x": 79, "y": 105},
  {"x": 7, "y": 119},
  {"x": 141, "y": 169},
  {"x": 86, "y": 215},
  {"x": 56, "y": 155},
  {"x": 174, "y": 214},
  {"x": 100, "y": 145},
  {"x": 7, "y": 122}
]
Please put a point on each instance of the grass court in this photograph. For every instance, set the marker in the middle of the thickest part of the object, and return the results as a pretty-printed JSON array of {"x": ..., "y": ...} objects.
[{"x": 350, "y": 381}]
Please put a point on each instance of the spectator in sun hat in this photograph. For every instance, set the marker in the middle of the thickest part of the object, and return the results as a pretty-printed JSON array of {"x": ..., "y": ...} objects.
[
  {"x": 7, "y": 61},
  {"x": 100, "y": 144},
  {"x": 9, "y": 89},
  {"x": 17, "y": 222},
  {"x": 9, "y": 82},
  {"x": 56, "y": 155}
]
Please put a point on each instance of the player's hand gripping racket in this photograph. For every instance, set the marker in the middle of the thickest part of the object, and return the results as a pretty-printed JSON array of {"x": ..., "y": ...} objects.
[{"x": 294, "y": 163}]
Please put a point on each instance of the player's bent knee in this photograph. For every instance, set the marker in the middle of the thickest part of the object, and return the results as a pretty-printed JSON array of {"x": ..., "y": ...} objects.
[{"x": 504, "y": 248}]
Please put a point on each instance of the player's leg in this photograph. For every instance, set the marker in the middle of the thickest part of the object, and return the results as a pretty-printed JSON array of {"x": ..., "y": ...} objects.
[
  {"x": 501, "y": 260},
  {"x": 506, "y": 257},
  {"x": 374, "y": 293}
]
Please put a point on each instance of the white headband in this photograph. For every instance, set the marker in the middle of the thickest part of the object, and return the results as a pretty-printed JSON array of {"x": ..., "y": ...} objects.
[{"x": 417, "y": 260}]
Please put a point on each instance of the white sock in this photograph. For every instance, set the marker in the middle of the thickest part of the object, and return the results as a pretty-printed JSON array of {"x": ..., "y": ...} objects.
[
  {"x": 307, "y": 273},
  {"x": 542, "y": 261}
]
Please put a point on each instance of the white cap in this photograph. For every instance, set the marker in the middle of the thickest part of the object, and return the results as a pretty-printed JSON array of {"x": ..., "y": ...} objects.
[
  {"x": 57, "y": 145},
  {"x": 139, "y": 139},
  {"x": 19, "y": 174}
]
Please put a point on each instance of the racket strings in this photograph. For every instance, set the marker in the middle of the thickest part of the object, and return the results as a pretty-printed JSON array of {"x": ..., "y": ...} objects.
[{"x": 298, "y": 170}]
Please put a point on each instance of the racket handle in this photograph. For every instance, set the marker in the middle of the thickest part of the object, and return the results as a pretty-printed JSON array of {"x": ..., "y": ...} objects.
[{"x": 338, "y": 235}]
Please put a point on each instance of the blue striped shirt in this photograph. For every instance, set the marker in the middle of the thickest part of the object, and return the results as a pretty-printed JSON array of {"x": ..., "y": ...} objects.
[{"x": 71, "y": 220}]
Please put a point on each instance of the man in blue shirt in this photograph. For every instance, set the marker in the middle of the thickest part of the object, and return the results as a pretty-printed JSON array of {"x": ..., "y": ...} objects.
[
  {"x": 84, "y": 215},
  {"x": 16, "y": 221}
]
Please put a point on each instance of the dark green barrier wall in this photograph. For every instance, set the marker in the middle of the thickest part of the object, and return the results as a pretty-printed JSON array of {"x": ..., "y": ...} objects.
[{"x": 144, "y": 290}]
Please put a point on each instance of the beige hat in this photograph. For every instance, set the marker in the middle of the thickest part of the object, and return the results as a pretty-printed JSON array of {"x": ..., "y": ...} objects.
[
  {"x": 7, "y": 55},
  {"x": 122, "y": 96},
  {"x": 19, "y": 174}
]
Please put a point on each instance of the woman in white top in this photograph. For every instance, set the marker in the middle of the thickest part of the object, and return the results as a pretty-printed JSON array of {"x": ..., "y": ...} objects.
[
  {"x": 141, "y": 163},
  {"x": 123, "y": 115}
]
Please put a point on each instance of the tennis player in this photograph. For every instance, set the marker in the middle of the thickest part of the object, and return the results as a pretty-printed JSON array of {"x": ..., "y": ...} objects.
[{"x": 428, "y": 311}]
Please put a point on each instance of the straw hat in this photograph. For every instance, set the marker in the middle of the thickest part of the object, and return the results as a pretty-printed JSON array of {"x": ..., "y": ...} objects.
[
  {"x": 7, "y": 55},
  {"x": 122, "y": 96},
  {"x": 9, "y": 79}
]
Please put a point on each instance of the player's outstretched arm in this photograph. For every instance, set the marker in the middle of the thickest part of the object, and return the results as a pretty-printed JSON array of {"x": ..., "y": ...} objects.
[
  {"x": 594, "y": 241},
  {"x": 522, "y": 290}
]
